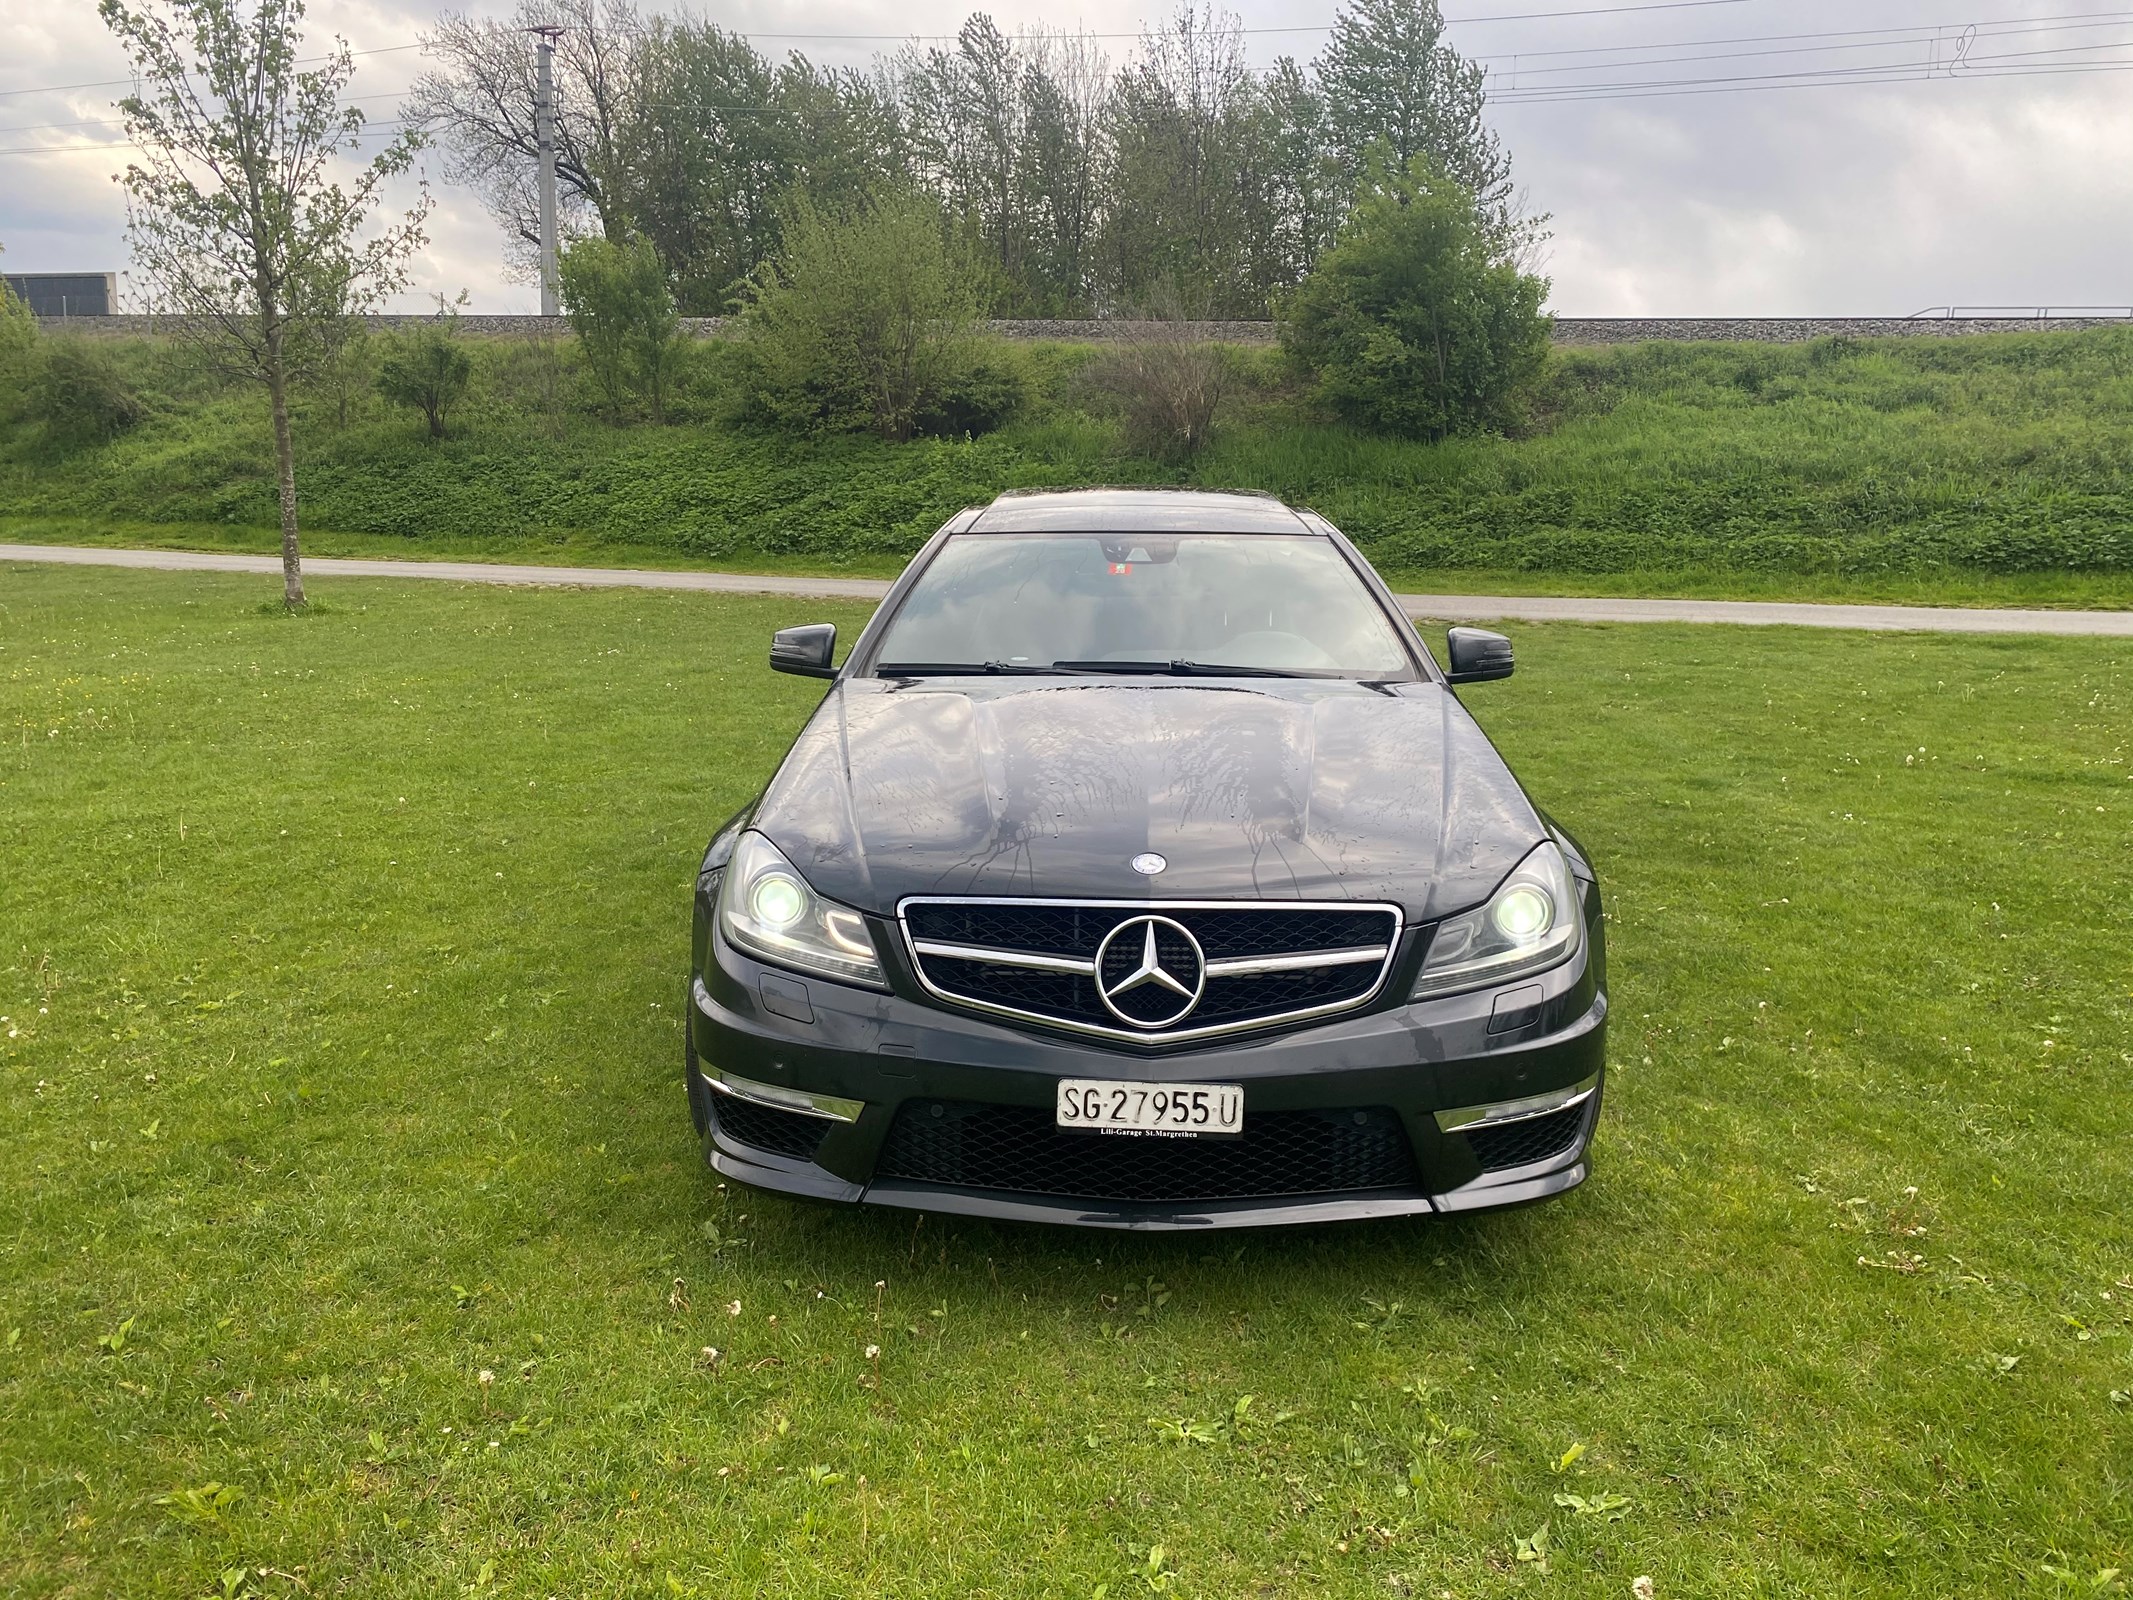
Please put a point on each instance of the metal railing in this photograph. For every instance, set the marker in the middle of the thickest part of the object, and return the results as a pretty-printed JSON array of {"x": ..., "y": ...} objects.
[{"x": 2013, "y": 313}]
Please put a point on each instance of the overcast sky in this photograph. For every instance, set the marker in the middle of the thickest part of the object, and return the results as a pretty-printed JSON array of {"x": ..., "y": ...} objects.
[{"x": 1930, "y": 174}]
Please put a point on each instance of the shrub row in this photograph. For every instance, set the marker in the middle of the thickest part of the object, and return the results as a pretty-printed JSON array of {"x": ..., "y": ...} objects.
[{"x": 2003, "y": 455}]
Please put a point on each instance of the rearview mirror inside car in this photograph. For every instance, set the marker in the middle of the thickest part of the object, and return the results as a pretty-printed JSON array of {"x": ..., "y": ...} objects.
[
  {"x": 1478, "y": 655},
  {"x": 805, "y": 651}
]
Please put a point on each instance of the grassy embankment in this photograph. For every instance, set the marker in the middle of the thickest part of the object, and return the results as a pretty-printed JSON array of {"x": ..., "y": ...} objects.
[
  {"x": 1985, "y": 471},
  {"x": 338, "y": 1023}
]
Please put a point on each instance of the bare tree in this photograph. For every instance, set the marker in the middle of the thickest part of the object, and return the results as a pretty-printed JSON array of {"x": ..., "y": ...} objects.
[
  {"x": 965, "y": 114},
  {"x": 1168, "y": 382},
  {"x": 234, "y": 211},
  {"x": 479, "y": 104},
  {"x": 1186, "y": 140},
  {"x": 1065, "y": 83}
]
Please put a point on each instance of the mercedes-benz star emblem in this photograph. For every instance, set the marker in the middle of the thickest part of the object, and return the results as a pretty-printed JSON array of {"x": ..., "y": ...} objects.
[
  {"x": 1148, "y": 865},
  {"x": 1150, "y": 972}
]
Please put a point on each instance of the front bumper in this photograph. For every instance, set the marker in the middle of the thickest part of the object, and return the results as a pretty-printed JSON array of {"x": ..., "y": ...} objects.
[{"x": 798, "y": 1056}]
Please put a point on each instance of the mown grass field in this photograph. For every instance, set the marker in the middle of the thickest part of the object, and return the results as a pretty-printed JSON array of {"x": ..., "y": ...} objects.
[
  {"x": 340, "y": 962},
  {"x": 1983, "y": 470}
]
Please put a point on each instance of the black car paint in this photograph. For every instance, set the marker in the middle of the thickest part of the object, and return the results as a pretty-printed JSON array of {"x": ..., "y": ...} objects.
[
  {"x": 1270, "y": 788},
  {"x": 1266, "y": 788}
]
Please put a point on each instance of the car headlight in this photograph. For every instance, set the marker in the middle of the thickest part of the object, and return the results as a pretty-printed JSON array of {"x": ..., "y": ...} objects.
[
  {"x": 1532, "y": 922},
  {"x": 766, "y": 908}
]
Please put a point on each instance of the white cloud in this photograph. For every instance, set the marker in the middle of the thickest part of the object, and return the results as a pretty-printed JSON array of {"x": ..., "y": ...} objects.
[{"x": 1871, "y": 198}]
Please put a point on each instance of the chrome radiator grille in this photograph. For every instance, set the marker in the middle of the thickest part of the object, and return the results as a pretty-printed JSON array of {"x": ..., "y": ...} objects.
[{"x": 1152, "y": 972}]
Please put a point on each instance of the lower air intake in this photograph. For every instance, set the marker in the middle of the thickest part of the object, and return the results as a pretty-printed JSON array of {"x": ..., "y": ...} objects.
[
  {"x": 1018, "y": 1149},
  {"x": 782, "y": 1133},
  {"x": 1520, "y": 1144}
]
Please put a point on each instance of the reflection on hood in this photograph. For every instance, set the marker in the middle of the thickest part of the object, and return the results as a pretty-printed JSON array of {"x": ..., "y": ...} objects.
[{"x": 1282, "y": 789}]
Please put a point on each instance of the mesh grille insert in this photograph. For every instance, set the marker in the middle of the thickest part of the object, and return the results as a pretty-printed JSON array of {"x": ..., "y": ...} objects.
[
  {"x": 784, "y": 1133},
  {"x": 1518, "y": 1144},
  {"x": 1019, "y": 1149}
]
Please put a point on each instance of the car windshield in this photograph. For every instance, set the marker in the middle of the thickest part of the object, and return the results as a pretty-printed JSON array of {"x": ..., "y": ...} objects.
[{"x": 1193, "y": 602}]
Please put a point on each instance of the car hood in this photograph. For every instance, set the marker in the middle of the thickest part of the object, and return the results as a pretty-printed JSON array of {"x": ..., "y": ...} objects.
[{"x": 1272, "y": 789}]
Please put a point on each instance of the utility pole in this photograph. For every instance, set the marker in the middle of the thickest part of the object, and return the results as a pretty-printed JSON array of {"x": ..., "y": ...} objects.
[{"x": 544, "y": 132}]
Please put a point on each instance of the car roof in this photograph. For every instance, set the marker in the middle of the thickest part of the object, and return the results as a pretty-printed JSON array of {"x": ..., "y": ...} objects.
[{"x": 1141, "y": 510}]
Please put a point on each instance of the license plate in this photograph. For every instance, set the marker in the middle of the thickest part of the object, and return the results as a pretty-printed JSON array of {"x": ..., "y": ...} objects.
[{"x": 1157, "y": 1110}]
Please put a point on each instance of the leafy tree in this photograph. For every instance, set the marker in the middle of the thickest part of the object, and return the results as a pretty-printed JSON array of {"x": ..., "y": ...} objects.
[
  {"x": 427, "y": 369},
  {"x": 1066, "y": 82},
  {"x": 623, "y": 313},
  {"x": 712, "y": 139},
  {"x": 1394, "y": 90},
  {"x": 233, "y": 209},
  {"x": 1417, "y": 321},
  {"x": 1080, "y": 188},
  {"x": 965, "y": 115},
  {"x": 864, "y": 319},
  {"x": 1187, "y": 156},
  {"x": 1310, "y": 188},
  {"x": 1007, "y": 133}
]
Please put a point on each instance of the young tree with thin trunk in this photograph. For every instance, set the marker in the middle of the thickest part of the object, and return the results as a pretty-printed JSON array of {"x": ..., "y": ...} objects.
[{"x": 235, "y": 211}]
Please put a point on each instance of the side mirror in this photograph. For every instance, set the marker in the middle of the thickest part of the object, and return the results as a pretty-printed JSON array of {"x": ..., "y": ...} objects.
[
  {"x": 1478, "y": 656},
  {"x": 805, "y": 651}
]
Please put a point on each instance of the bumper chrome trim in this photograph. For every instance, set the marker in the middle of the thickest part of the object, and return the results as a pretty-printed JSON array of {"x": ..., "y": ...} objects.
[
  {"x": 778, "y": 1098},
  {"x": 1470, "y": 1118},
  {"x": 1245, "y": 966},
  {"x": 1005, "y": 958}
]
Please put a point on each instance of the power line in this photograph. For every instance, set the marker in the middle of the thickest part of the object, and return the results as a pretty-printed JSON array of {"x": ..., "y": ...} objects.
[
  {"x": 128, "y": 144},
  {"x": 1814, "y": 49},
  {"x": 1584, "y": 93},
  {"x": 861, "y": 38},
  {"x": 2099, "y": 17},
  {"x": 1319, "y": 27},
  {"x": 118, "y": 122},
  {"x": 1970, "y": 66},
  {"x": 1645, "y": 6},
  {"x": 120, "y": 83}
]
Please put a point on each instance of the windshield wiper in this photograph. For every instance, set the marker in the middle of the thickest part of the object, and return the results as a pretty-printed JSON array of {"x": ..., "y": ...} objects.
[
  {"x": 927, "y": 669},
  {"x": 1188, "y": 669}
]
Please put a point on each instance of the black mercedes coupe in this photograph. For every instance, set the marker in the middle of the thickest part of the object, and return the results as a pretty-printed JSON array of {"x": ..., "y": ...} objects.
[{"x": 1142, "y": 869}]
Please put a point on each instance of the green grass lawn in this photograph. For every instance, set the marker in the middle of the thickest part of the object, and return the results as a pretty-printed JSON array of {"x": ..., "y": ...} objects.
[{"x": 341, "y": 963}]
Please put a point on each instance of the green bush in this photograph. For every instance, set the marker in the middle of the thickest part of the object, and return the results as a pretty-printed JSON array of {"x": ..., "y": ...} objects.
[
  {"x": 986, "y": 390},
  {"x": 1414, "y": 322},
  {"x": 426, "y": 369},
  {"x": 19, "y": 352},
  {"x": 2019, "y": 460},
  {"x": 867, "y": 319},
  {"x": 623, "y": 312},
  {"x": 81, "y": 394}
]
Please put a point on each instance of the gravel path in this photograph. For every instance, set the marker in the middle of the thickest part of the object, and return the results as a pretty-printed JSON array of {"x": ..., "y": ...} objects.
[{"x": 1441, "y": 607}]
